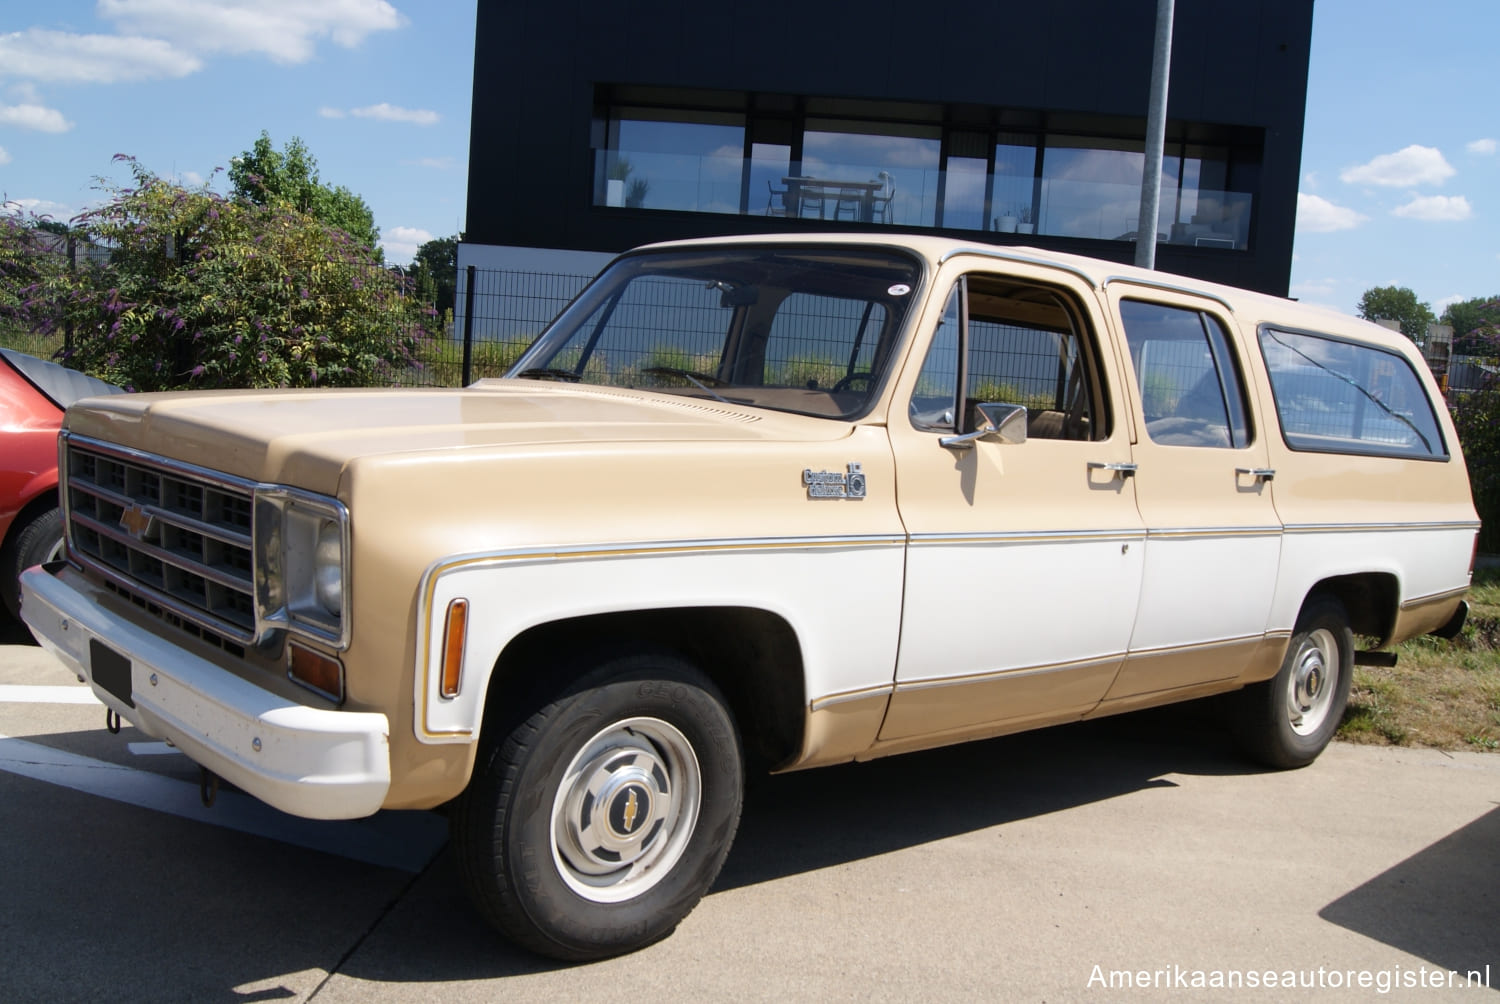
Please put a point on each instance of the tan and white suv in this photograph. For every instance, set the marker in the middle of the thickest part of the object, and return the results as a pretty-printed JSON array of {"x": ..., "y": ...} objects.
[{"x": 785, "y": 502}]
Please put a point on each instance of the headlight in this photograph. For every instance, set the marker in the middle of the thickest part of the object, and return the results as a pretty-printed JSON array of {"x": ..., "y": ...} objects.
[
  {"x": 301, "y": 562},
  {"x": 328, "y": 568}
]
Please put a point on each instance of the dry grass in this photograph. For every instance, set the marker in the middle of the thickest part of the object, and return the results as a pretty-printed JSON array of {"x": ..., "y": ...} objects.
[{"x": 1439, "y": 694}]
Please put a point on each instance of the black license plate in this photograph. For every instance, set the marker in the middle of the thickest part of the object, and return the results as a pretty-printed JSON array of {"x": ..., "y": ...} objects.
[{"x": 111, "y": 670}]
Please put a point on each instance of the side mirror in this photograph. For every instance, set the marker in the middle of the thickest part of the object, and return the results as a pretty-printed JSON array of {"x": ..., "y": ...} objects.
[{"x": 1003, "y": 422}]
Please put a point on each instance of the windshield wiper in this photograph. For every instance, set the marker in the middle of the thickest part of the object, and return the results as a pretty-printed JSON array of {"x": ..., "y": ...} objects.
[
  {"x": 699, "y": 380},
  {"x": 546, "y": 373}
]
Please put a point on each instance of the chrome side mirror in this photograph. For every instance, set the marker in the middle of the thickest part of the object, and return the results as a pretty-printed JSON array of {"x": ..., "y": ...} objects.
[{"x": 1003, "y": 422}]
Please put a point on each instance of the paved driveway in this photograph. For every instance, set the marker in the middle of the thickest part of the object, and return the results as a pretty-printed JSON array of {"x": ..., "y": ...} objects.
[{"x": 1058, "y": 865}]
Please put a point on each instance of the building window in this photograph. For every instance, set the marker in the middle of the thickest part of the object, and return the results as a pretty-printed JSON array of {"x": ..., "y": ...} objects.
[
  {"x": 906, "y": 165},
  {"x": 655, "y": 159}
]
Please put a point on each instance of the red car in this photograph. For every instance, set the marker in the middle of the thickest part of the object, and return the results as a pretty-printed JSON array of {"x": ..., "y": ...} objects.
[{"x": 33, "y": 396}]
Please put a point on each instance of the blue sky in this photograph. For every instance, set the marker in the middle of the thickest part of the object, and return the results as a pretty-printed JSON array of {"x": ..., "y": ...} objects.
[
  {"x": 1401, "y": 156},
  {"x": 1400, "y": 165}
]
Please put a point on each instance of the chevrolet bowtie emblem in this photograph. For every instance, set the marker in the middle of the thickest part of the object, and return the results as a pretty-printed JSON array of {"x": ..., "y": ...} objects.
[
  {"x": 630, "y": 811},
  {"x": 135, "y": 521}
]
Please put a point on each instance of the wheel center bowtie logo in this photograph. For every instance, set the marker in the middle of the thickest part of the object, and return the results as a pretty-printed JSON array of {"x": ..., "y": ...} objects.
[
  {"x": 630, "y": 810},
  {"x": 136, "y": 521},
  {"x": 833, "y": 485}
]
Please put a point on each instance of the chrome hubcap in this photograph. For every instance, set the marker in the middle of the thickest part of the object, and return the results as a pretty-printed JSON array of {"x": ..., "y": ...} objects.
[
  {"x": 1311, "y": 687},
  {"x": 625, "y": 809}
]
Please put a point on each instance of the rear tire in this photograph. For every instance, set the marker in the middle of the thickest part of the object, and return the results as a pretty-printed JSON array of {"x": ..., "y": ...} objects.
[
  {"x": 39, "y": 539},
  {"x": 602, "y": 820},
  {"x": 1289, "y": 719}
]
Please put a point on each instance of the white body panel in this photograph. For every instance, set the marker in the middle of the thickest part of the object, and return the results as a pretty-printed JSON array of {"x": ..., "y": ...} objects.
[
  {"x": 965, "y": 616},
  {"x": 1205, "y": 588},
  {"x": 1426, "y": 561},
  {"x": 841, "y": 598}
]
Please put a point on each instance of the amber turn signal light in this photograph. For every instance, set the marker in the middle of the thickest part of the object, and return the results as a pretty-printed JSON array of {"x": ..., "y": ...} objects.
[
  {"x": 455, "y": 632},
  {"x": 316, "y": 671}
]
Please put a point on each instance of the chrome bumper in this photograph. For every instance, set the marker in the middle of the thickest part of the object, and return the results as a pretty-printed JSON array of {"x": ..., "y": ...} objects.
[{"x": 310, "y": 762}]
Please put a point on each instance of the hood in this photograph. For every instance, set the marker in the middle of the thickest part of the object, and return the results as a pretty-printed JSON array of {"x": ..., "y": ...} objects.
[{"x": 307, "y": 437}]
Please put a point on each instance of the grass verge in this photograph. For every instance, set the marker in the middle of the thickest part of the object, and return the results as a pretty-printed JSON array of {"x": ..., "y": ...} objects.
[{"x": 1440, "y": 694}]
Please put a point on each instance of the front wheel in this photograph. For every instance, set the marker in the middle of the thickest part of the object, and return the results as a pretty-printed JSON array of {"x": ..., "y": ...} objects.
[
  {"x": 1289, "y": 719},
  {"x": 602, "y": 820}
]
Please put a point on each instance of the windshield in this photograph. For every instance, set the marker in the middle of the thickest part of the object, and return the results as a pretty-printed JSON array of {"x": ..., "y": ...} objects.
[{"x": 795, "y": 329}]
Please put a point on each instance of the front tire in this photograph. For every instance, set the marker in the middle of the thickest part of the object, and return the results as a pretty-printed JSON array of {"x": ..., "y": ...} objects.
[
  {"x": 1289, "y": 719},
  {"x": 602, "y": 820},
  {"x": 39, "y": 540}
]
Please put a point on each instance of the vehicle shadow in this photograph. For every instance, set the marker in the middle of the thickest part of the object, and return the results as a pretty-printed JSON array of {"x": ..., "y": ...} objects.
[
  {"x": 803, "y": 822},
  {"x": 1441, "y": 904},
  {"x": 228, "y": 916}
]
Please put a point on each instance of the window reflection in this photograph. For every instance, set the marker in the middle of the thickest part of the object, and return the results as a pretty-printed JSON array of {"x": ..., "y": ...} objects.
[
  {"x": 841, "y": 151},
  {"x": 865, "y": 172},
  {"x": 657, "y": 160}
]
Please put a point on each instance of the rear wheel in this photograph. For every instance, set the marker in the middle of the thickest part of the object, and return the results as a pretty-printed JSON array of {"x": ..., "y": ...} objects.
[
  {"x": 599, "y": 823},
  {"x": 39, "y": 539},
  {"x": 1289, "y": 719}
]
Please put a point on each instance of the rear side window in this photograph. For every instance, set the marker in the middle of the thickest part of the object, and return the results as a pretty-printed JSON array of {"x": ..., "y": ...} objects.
[
  {"x": 1342, "y": 397},
  {"x": 1190, "y": 387}
]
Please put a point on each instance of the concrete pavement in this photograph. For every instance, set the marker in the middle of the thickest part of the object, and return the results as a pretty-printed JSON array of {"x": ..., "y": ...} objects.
[{"x": 1038, "y": 867}]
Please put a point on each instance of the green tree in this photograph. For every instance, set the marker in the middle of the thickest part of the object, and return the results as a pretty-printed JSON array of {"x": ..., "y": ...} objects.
[
  {"x": 1397, "y": 303},
  {"x": 266, "y": 176},
  {"x": 203, "y": 291},
  {"x": 434, "y": 272},
  {"x": 33, "y": 273},
  {"x": 1475, "y": 324}
]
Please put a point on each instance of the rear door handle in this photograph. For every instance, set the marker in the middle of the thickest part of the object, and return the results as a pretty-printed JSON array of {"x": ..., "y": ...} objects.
[
  {"x": 1264, "y": 473},
  {"x": 1122, "y": 469}
]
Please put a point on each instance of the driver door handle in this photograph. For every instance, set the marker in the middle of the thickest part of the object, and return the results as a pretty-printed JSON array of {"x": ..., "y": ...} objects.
[
  {"x": 1264, "y": 473},
  {"x": 1122, "y": 469}
]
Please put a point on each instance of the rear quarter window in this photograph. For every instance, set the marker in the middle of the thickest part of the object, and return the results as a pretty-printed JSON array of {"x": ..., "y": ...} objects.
[{"x": 1334, "y": 396}]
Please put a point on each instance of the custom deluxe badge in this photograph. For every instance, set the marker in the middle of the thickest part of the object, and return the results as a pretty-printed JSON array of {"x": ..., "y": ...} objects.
[{"x": 833, "y": 485}]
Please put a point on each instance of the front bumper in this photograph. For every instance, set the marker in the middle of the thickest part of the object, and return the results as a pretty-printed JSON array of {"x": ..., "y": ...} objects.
[{"x": 321, "y": 764}]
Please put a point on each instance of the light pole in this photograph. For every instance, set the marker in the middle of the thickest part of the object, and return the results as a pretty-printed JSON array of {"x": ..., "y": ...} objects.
[{"x": 1156, "y": 134}]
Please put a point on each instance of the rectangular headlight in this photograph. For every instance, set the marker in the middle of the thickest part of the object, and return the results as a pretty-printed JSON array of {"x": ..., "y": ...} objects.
[{"x": 301, "y": 564}]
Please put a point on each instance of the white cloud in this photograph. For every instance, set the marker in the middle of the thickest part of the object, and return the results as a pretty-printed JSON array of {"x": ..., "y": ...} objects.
[
  {"x": 437, "y": 163},
  {"x": 285, "y": 30},
  {"x": 1317, "y": 215},
  {"x": 41, "y": 207},
  {"x": 401, "y": 243},
  {"x": 38, "y": 117},
  {"x": 331, "y": 113},
  {"x": 5, "y": 157},
  {"x": 1482, "y": 146},
  {"x": 190, "y": 179},
  {"x": 1414, "y": 165},
  {"x": 63, "y": 57},
  {"x": 1437, "y": 208},
  {"x": 1439, "y": 306},
  {"x": 1310, "y": 179},
  {"x": 1309, "y": 289},
  {"x": 392, "y": 113}
]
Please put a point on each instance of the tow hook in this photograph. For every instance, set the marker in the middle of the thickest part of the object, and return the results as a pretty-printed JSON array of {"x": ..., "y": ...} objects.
[
  {"x": 112, "y": 721},
  {"x": 208, "y": 787}
]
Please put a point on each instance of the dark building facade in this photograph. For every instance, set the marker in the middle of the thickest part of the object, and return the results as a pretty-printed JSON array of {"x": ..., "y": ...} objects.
[{"x": 598, "y": 126}]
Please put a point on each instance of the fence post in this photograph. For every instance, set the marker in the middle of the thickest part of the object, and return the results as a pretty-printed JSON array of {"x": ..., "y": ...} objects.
[
  {"x": 468, "y": 326},
  {"x": 72, "y": 267}
]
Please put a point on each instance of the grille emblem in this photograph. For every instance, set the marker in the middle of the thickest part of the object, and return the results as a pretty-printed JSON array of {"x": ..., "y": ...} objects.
[{"x": 136, "y": 521}]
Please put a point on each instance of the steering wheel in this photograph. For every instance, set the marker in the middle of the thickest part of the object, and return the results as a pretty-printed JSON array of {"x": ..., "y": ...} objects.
[{"x": 863, "y": 375}]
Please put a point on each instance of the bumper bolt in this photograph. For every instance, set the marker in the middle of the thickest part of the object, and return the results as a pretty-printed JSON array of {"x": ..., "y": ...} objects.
[
  {"x": 153, "y": 679},
  {"x": 255, "y": 744}
]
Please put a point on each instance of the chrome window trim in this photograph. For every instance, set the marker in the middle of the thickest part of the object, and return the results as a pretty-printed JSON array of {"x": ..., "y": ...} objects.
[
  {"x": 1168, "y": 287},
  {"x": 1022, "y": 259}
]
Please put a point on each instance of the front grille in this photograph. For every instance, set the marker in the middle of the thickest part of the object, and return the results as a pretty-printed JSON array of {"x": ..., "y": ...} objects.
[{"x": 181, "y": 537}]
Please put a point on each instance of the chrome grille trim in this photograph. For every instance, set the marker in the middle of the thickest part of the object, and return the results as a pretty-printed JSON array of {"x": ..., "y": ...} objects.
[{"x": 190, "y": 547}]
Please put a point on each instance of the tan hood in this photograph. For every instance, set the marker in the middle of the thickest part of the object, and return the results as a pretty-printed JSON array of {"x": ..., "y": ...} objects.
[{"x": 307, "y": 437}]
